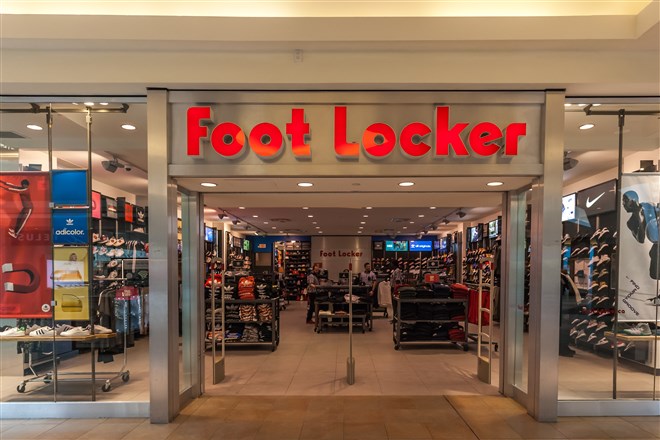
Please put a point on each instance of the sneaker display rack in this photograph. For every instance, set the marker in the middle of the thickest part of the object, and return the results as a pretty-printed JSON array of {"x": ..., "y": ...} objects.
[
  {"x": 296, "y": 265},
  {"x": 252, "y": 312},
  {"x": 471, "y": 266},
  {"x": 429, "y": 314},
  {"x": 331, "y": 307},
  {"x": 590, "y": 263}
]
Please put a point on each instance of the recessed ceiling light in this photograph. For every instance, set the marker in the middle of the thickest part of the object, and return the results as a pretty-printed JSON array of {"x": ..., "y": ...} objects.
[
  {"x": 273, "y": 227},
  {"x": 404, "y": 184},
  {"x": 255, "y": 216},
  {"x": 265, "y": 223},
  {"x": 305, "y": 184},
  {"x": 89, "y": 104},
  {"x": 595, "y": 105},
  {"x": 568, "y": 104},
  {"x": 586, "y": 126},
  {"x": 405, "y": 227},
  {"x": 34, "y": 127},
  {"x": 103, "y": 103},
  {"x": 208, "y": 184},
  {"x": 241, "y": 207},
  {"x": 311, "y": 216},
  {"x": 581, "y": 105},
  {"x": 432, "y": 207},
  {"x": 368, "y": 207},
  {"x": 320, "y": 232},
  {"x": 420, "y": 215},
  {"x": 495, "y": 184},
  {"x": 359, "y": 232},
  {"x": 363, "y": 223},
  {"x": 314, "y": 223},
  {"x": 412, "y": 223},
  {"x": 74, "y": 103},
  {"x": 281, "y": 232},
  {"x": 128, "y": 127},
  {"x": 366, "y": 215},
  {"x": 305, "y": 207},
  {"x": 317, "y": 227}
]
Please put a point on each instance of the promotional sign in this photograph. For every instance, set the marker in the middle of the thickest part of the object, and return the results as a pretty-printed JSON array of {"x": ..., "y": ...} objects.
[
  {"x": 109, "y": 207},
  {"x": 396, "y": 246},
  {"x": 421, "y": 245},
  {"x": 26, "y": 245},
  {"x": 71, "y": 283},
  {"x": 568, "y": 207},
  {"x": 598, "y": 199},
  {"x": 70, "y": 187},
  {"x": 72, "y": 303},
  {"x": 70, "y": 227},
  {"x": 128, "y": 212},
  {"x": 336, "y": 253},
  {"x": 139, "y": 216},
  {"x": 639, "y": 256},
  {"x": 96, "y": 205}
]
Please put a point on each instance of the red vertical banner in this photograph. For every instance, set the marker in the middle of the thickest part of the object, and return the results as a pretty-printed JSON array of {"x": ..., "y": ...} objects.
[{"x": 25, "y": 245}]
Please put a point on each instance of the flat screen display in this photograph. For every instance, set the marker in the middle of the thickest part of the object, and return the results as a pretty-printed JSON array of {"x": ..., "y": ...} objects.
[
  {"x": 209, "y": 234},
  {"x": 378, "y": 245},
  {"x": 473, "y": 233},
  {"x": 421, "y": 245},
  {"x": 396, "y": 246},
  {"x": 493, "y": 229},
  {"x": 443, "y": 245},
  {"x": 246, "y": 245},
  {"x": 436, "y": 245},
  {"x": 568, "y": 207}
]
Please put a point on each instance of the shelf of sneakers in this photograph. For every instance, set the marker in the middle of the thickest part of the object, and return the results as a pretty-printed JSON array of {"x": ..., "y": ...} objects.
[
  {"x": 637, "y": 343},
  {"x": 109, "y": 251},
  {"x": 471, "y": 265},
  {"x": 597, "y": 307}
]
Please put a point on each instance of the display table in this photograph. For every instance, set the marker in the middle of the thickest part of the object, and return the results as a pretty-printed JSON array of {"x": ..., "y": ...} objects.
[
  {"x": 646, "y": 353},
  {"x": 83, "y": 376}
]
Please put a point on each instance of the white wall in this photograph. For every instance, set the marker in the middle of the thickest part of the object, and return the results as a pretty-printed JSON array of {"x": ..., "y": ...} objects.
[{"x": 336, "y": 252}]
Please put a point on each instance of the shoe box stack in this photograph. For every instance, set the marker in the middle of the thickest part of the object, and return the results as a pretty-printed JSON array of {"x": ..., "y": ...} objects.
[{"x": 597, "y": 309}]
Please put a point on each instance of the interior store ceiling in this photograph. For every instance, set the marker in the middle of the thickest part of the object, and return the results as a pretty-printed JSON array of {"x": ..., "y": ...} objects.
[{"x": 595, "y": 150}]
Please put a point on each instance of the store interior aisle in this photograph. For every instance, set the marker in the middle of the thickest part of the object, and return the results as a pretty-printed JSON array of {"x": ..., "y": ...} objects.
[
  {"x": 341, "y": 418},
  {"x": 306, "y": 363}
]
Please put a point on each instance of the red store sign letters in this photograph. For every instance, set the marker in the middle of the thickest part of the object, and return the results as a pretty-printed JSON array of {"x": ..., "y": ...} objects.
[{"x": 378, "y": 140}]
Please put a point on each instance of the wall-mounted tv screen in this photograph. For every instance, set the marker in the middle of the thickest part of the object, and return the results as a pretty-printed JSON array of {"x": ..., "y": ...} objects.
[
  {"x": 493, "y": 229},
  {"x": 473, "y": 233},
  {"x": 421, "y": 245},
  {"x": 443, "y": 245},
  {"x": 568, "y": 207},
  {"x": 246, "y": 245},
  {"x": 209, "y": 234},
  {"x": 396, "y": 246}
]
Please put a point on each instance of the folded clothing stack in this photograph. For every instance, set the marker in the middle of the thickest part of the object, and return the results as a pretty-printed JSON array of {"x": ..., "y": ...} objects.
[
  {"x": 229, "y": 291},
  {"x": 459, "y": 291},
  {"x": 250, "y": 333},
  {"x": 232, "y": 312},
  {"x": 246, "y": 288},
  {"x": 263, "y": 292},
  {"x": 441, "y": 290},
  {"x": 234, "y": 332},
  {"x": 406, "y": 292},
  {"x": 408, "y": 311},
  {"x": 457, "y": 333},
  {"x": 265, "y": 312},
  {"x": 248, "y": 313},
  {"x": 265, "y": 333}
]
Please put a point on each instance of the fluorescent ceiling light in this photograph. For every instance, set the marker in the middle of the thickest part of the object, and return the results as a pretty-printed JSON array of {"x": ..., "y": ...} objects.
[
  {"x": 363, "y": 223},
  {"x": 404, "y": 184},
  {"x": 568, "y": 104},
  {"x": 208, "y": 184},
  {"x": 405, "y": 227},
  {"x": 320, "y": 232},
  {"x": 495, "y": 184},
  {"x": 103, "y": 103},
  {"x": 586, "y": 126},
  {"x": 317, "y": 227},
  {"x": 595, "y": 105},
  {"x": 265, "y": 223},
  {"x": 34, "y": 127},
  {"x": 128, "y": 127},
  {"x": 305, "y": 184}
]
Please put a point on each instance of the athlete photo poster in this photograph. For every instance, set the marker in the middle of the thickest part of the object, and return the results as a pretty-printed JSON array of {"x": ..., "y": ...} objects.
[
  {"x": 25, "y": 245},
  {"x": 639, "y": 255}
]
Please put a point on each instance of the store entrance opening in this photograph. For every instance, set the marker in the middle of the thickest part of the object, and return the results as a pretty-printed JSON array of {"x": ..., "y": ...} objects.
[{"x": 412, "y": 257}]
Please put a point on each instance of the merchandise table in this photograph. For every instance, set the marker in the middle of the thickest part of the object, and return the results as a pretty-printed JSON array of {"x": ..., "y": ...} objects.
[
  {"x": 82, "y": 376},
  {"x": 649, "y": 357},
  {"x": 362, "y": 315}
]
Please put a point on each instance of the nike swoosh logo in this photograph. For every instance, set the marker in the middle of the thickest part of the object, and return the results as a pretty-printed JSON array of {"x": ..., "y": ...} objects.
[{"x": 590, "y": 203}]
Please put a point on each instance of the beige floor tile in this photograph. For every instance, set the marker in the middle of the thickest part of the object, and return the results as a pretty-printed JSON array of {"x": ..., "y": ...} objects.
[
  {"x": 454, "y": 429},
  {"x": 652, "y": 427},
  {"x": 322, "y": 430},
  {"x": 401, "y": 429},
  {"x": 235, "y": 431},
  {"x": 366, "y": 416},
  {"x": 493, "y": 430},
  {"x": 149, "y": 431},
  {"x": 106, "y": 431},
  {"x": 279, "y": 430},
  {"x": 580, "y": 430},
  {"x": 365, "y": 431},
  {"x": 71, "y": 429},
  {"x": 528, "y": 428},
  {"x": 616, "y": 429},
  {"x": 27, "y": 430}
]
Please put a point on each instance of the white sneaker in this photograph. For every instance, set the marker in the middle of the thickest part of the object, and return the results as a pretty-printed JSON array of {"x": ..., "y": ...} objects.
[
  {"x": 43, "y": 331},
  {"x": 62, "y": 328},
  {"x": 100, "y": 330},
  {"x": 76, "y": 331},
  {"x": 14, "y": 331}
]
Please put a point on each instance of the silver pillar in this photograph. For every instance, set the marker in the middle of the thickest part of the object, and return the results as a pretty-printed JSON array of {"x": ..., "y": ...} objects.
[
  {"x": 163, "y": 272},
  {"x": 546, "y": 265},
  {"x": 192, "y": 294}
]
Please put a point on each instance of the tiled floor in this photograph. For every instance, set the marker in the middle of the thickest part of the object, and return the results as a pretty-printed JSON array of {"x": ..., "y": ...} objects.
[{"x": 341, "y": 417}]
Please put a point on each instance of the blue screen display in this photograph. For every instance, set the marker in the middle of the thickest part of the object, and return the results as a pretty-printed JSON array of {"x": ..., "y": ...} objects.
[
  {"x": 396, "y": 246},
  {"x": 421, "y": 245},
  {"x": 209, "y": 234}
]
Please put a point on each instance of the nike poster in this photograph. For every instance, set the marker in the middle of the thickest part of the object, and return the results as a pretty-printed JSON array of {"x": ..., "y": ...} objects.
[{"x": 639, "y": 261}]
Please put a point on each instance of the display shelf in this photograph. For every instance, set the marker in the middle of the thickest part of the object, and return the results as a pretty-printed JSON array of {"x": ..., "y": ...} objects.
[{"x": 398, "y": 322}]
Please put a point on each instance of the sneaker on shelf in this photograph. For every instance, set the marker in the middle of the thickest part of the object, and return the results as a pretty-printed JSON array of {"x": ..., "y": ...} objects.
[
  {"x": 575, "y": 321},
  {"x": 112, "y": 275},
  {"x": 43, "y": 331},
  {"x": 603, "y": 285},
  {"x": 103, "y": 250},
  {"x": 604, "y": 247},
  {"x": 602, "y": 341},
  {"x": 565, "y": 251},
  {"x": 601, "y": 326},
  {"x": 619, "y": 344},
  {"x": 595, "y": 234},
  {"x": 120, "y": 242},
  {"x": 594, "y": 260},
  {"x": 573, "y": 332},
  {"x": 645, "y": 329},
  {"x": 76, "y": 331},
  {"x": 593, "y": 248},
  {"x": 103, "y": 239},
  {"x": 655, "y": 301},
  {"x": 575, "y": 251},
  {"x": 119, "y": 252},
  {"x": 13, "y": 331},
  {"x": 581, "y": 335},
  {"x": 603, "y": 233},
  {"x": 593, "y": 323},
  {"x": 581, "y": 323},
  {"x": 100, "y": 330},
  {"x": 62, "y": 328},
  {"x": 566, "y": 238},
  {"x": 113, "y": 263},
  {"x": 602, "y": 301},
  {"x": 594, "y": 285},
  {"x": 603, "y": 273},
  {"x": 592, "y": 337},
  {"x": 604, "y": 259},
  {"x": 111, "y": 253},
  {"x": 111, "y": 242},
  {"x": 629, "y": 345},
  {"x": 95, "y": 237}
]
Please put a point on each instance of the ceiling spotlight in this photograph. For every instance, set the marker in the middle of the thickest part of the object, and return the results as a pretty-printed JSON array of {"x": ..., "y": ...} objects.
[
  {"x": 314, "y": 223},
  {"x": 221, "y": 216},
  {"x": 495, "y": 184},
  {"x": 320, "y": 232},
  {"x": 568, "y": 104},
  {"x": 361, "y": 227},
  {"x": 363, "y": 223},
  {"x": 412, "y": 223},
  {"x": 305, "y": 184},
  {"x": 265, "y": 223},
  {"x": 236, "y": 221},
  {"x": 359, "y": 232},
  {"x": 34, "y": 127},
  {"x": 273, "y": 227},
  {"x": 445, "y": 221},
  {"x": 405, "y": 227},
  {"x": 311, "y": 216},
  {"x": 461, "y": 213},
  {"x": 317, "y": 227},
  {"x": 366, "y": 215},
  {"x": 586, "y": 126},
  {"x": 434, "y": 227},
  {"x": 128, "y": 127},
  {"x": 404, "y": 184},
  {"x": 208, "y": 184}
]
